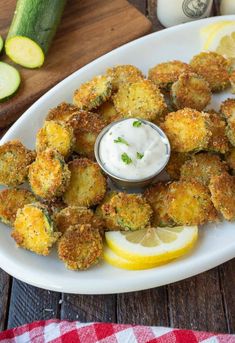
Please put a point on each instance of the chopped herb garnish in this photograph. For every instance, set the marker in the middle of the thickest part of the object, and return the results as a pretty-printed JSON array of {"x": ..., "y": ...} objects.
[
  {"x": 126, "y": 159},
  {"x": 120, "y": 140},
  {"x": 139, "y": 155},
  {"x": 137, "y": 123}
]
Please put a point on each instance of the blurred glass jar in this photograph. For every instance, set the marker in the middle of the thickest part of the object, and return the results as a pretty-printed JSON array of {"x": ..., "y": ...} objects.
[
  {"x": 174, "y": 12},
  {"x": 227, "y": 7}
]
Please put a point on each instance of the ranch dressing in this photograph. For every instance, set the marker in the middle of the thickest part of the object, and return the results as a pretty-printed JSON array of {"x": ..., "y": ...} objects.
[{"x": 132, "y": 149}]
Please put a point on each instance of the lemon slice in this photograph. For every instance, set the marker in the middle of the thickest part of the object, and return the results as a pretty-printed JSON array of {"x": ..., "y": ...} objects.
[
  {"x": 152, "y": 245},
  {"x": 219, "y": 37}
]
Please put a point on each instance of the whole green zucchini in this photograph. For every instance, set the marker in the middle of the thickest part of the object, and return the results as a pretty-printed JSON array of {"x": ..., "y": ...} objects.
[{"x": 32, "y": 29}]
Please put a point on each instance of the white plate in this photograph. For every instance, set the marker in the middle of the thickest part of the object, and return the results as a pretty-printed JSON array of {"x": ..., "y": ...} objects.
[{"x": 216, "y": 242}]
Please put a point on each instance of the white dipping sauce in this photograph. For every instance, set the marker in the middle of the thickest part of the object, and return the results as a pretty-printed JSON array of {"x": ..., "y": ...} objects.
[{"x": 131, "y": 149}]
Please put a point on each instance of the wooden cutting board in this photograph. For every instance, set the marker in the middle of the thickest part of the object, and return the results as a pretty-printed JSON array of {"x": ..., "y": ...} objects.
[{"x": 89, "y": 28}]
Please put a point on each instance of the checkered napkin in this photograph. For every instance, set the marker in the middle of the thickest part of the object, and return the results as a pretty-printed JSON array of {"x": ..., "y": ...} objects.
[{"x": 56, "y": 331}]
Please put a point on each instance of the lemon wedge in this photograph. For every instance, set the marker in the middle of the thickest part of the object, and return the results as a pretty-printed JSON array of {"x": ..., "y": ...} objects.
[
  {"x": 219, "y": 37},
  {"x": 152, "y": 246}
]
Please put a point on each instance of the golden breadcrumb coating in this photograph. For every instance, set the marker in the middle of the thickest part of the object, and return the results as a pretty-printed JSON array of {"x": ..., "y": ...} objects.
[
  {"x": 189, "y": 203},
  {"x": 140, "y": 99},
  {"x": 122, "y": 211},
  {"x": 87, "y": 185},
  {"x": 108, "y": 112},
  {"x": 156, "y": 195},
  {"x": 80, "y": 247},
  {"x": 222, "y": 189},
  {"x": 11, "y": 200},
  {"x": 166, "y": 73},
  {"x": 122, "y": 74},
  {"x": 230, "y": 159},
  {"x": 191, "y": 90},
  {"x": 55, "y": 135},
  {"x": 218, "y": 141},
  {"x": 73, "y": 215},
  {"x": 15, "y": 159},
  {"x": 176, "y": 161},
  {"x": 49, "y": 174},
  {"x": 93, "y": 93},
  {"x": 86, "y": 126},
  {"x": 202, "y": 167},
  {"x": 214, "y": 68},
  {"x": 232, "y": 81},
  {"x": 33, "y": 229},
  {"x": 188, "y": 130},
  {"x": 62, "y": 112},
  {"x": 227, "y": 109}
]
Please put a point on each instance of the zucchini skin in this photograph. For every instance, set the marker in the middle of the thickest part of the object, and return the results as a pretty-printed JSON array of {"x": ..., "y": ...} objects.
[{"x": 37, "y": 20}]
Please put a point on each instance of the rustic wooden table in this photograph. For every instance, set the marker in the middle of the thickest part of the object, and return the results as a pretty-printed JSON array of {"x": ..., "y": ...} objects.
[{"x": 204, "y": 302}]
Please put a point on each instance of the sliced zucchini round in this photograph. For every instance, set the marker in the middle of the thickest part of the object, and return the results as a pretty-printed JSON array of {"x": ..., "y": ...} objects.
[{"x": 9, "y": 81}]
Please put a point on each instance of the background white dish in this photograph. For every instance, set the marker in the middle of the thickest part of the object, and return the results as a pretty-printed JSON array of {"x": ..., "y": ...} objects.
[{"x": 216, "y": 242}]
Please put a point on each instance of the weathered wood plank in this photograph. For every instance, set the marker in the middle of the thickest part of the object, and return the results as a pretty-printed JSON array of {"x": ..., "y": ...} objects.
[
  {"x": 197, "y": 303},
  {"x": 87, "y": 308},
  {"x": 5, "y": 285},
  {"x": 227, "y": 277},
  {"x": 143, "y": 308},
  {"x": 30, "y": 303},
  {"x": 152, "y": 15}
]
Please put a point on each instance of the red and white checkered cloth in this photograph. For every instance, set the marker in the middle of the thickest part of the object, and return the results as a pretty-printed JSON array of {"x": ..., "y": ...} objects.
[{"x": 56, "y": 331}]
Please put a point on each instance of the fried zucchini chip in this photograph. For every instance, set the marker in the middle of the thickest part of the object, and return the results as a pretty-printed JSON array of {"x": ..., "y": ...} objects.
[
  {"x": 93, "y": 93},
  {"x": 222, "y": 189},
  {"x": 73, "y": 215},
  {"x": 227, "y": 109},
  {"x": 218, "y": 141},
  {"x": 156, "y": 195},
  {"x": 189, "y": 203},
  {"x": 55, "y": 135},
  {"x": 86, "y": 126},
  {"x": 140, "y": 99},
  {"x": 62, "y": 112},
  {"x": 166, "y": 73},
  {"x": 87, "y": 185},
  {"x": 11, "y": 200},
  {"x": 15, "y": 159},
  {"x": 214, "y": 68},
  {"x": 232, "y": 81},
  {"x": 202, "y": 167},
  {"x": 49, "y": 174},
  {"x": 177, "y": 159},
  {"x": 122, "y": 74},
  {"x": 80, "y": 247},
  {"x": 33, "y": 229},
  {"x": 230, "y": 159},
  {"x": 188, "y": 130},
  {"x": 108, "y": 112},
  {"x": 191, "y": 90},
  {"x": 122, "y": 211}
]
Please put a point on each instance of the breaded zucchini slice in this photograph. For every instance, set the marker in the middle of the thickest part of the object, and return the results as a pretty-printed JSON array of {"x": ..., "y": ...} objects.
[
  {"x": 49, "y": 174},
  {"x": 218, "y": 141},
  {"x": 188, "y": 130},
  {"x": 15, "y": 159},
  {"x": 191, "y": 90},
  {"x": 108, "y": 112},
  {"x": 62, "y": 112},
  {"x": 189, "y": 203},
  {"x": 86, "y": 126},
  {"x": 156, "y": 195},
  {"x": 122, "y": 211},
  {"x": 140, "y": 99},
  {"x": 222, "y": 188},
  {"x": 122, "y": 74},
  {"x": 80, "y": 247},
  {"x": 166, "y": 73},
  {"x": 87, "y": 185},
  {"x": 202, "y": 167},
  {"x": 230, "y": 159},
  {"x": 177, "y": 159},
  {"x": 214, "y": 68},
  {"x": 73, "y": 215},
  {"x": 11, "y": 200},
  {"x": 227, "y": 109},
  {"x": 93, "y": 93},
  {"x": 232, "y": 81},
  {"x": 33, "y": 229},
  {"x": 55, "y": 135}
]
